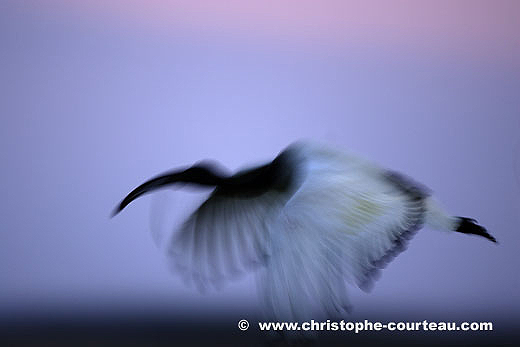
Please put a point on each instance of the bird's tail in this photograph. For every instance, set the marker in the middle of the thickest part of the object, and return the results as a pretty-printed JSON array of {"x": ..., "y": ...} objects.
[
  {"x": 438, "y": 219},
  {"x": 470, "y": 226}
]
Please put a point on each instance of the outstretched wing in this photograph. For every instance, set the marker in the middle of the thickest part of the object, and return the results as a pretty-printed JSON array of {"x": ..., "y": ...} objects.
[
  {"x": 223, "y": 238},
  {"x": 229, "y": 233},
  {"x": 344, "y": 224}
]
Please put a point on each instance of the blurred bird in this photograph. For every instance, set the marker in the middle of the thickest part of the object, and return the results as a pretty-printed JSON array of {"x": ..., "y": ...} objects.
[{"x": 310, "y": 221}]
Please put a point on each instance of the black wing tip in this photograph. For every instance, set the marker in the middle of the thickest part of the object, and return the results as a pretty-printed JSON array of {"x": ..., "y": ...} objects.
[{"x": 470, "y": 226}]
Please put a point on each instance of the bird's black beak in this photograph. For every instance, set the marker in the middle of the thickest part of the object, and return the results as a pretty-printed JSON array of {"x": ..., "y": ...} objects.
[{"x": 203, "y": 174}]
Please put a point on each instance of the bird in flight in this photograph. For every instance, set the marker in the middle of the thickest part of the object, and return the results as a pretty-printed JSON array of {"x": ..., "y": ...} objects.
[{"x": 308, "y": 222}]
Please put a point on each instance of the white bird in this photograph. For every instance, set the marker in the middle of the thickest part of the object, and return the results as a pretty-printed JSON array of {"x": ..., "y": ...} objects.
[{"x": 310, "y": 221}]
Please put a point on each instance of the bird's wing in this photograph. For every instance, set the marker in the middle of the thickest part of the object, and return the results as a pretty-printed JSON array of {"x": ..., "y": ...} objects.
[
  {"x": 229, "y": 232},
  {"x": 224, "y": 237},
  {"x": 343, "y": 224}
]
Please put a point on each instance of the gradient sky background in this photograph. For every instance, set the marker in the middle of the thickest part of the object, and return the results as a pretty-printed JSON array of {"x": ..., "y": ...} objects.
[{"x": 97, "y": 96}]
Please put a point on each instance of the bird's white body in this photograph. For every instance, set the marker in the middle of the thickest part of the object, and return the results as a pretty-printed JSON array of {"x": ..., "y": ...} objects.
[
  {"x": 341, "y": 218},
  {"x": 309, "y": 222}
]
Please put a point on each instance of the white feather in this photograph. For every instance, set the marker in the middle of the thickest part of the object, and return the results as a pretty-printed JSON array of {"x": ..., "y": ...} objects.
[{"x": 344, "y": 220}]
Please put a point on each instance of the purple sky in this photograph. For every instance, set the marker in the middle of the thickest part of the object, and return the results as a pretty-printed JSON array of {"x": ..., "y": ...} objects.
[{"x": 97, "y": 97}]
